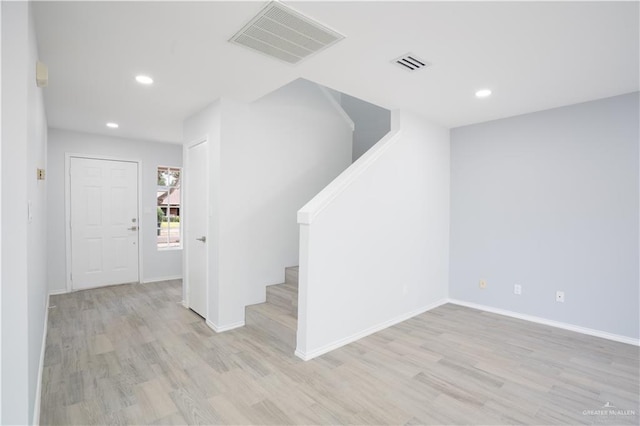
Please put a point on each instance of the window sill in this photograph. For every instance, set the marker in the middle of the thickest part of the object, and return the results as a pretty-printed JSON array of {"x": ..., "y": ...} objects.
[{"x": 169, "y": 248}]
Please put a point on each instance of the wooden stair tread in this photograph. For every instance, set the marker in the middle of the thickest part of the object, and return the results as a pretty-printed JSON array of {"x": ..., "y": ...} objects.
[{"x": 276, "y": 319}]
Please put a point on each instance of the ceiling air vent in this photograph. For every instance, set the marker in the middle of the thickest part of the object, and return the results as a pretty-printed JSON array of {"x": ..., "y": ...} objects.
[
  {"x": 411, "y": 62},
  {"x": 283, "y": 33}
]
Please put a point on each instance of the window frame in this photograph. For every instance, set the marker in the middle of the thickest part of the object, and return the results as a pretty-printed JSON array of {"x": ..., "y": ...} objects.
[{"x": 166, "y": 209}]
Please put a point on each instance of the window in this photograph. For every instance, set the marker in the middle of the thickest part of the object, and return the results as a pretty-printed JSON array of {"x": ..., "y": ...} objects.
[{"x": 168, "y": 209}]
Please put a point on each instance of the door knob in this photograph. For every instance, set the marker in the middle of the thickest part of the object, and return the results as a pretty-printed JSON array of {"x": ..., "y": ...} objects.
[
  {"x": 133, "y": 228},
  {"x": 203, "y": 239}
]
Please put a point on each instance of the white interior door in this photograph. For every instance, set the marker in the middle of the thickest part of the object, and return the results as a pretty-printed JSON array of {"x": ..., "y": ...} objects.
[
  {"x": 196, "y": 217},
  {"x": 104, "y": 222}
]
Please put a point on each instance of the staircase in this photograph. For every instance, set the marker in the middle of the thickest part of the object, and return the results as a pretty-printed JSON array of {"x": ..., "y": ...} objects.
[{"x": 277, "y": 318}]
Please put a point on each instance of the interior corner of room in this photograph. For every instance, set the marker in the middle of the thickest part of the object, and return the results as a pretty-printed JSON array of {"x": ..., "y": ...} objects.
[{"x": 353, "y": 203}]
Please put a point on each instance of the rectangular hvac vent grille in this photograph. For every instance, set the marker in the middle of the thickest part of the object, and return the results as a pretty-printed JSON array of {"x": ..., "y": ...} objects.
[
  {"x": 283, "y": 33},
  {"x": 411, "y": 62}
]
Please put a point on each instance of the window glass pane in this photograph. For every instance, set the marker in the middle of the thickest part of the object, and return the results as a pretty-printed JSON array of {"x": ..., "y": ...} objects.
[
  {"x": 168, "y": 205},
  {"x": 162, "y": 176},
  {"x": 173, "y": 177}
]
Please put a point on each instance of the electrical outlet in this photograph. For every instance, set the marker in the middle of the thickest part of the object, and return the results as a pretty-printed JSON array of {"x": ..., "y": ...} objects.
[
  {"x": 560, "y": 296},
  {"x": 482, "y": 284},
  {"x": 517, "y": 289}
]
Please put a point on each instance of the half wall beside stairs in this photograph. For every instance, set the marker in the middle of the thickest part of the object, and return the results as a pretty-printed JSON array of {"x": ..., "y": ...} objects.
[{"x": 374, "y": 244}]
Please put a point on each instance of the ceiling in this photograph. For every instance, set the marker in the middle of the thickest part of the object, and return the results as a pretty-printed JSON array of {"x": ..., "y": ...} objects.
[{"x": 532, "y": 55}]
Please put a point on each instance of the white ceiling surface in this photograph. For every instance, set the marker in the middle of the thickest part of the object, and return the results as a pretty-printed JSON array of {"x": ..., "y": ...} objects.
[{"x": 533, "y": 56}]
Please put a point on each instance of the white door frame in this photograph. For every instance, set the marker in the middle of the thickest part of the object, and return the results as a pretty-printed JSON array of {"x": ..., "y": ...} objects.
[
  {"x": 187, "y": 230},
  {"x": 67, "y": 208}
]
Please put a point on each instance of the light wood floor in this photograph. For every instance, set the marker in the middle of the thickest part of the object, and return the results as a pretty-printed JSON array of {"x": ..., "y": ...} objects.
[{"x": 132, "y": 354}]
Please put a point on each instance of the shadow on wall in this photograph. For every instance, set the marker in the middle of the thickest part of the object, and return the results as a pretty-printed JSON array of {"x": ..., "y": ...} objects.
[{"x": 371, "y": 122}]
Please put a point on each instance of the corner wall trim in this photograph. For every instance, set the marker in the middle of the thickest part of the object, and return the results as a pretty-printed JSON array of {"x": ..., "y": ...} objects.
[
  {"x": 306, "y": 356},
  {"x": 56, "y": 292},
  {"x": 226, "y": 327},
  {"x": 36, "y": 405},
  {"x": 551, "y": 323}
]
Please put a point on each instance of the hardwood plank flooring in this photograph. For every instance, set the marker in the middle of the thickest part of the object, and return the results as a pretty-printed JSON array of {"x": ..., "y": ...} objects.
[{"x": 131, "y": 354}]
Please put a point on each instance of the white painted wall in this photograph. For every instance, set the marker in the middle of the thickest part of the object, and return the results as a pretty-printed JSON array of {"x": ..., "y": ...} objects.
[
  {"x": 294, "y": 145},
  {"x": 549, "y": 201},
  {"x": 372, "y": 123},
  {"x": 24, "y": 289},
  {"x": 156, "y": 264},
  {"x": 374, "y": 246},
  {"x": 274, "y": 155}
]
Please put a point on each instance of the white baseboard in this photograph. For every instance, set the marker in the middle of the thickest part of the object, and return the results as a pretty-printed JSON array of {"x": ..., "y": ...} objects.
[
  {"x": 551, "y": 323},
  {"x": 55, "y": 292},
  {"x": 36, "y": 405},
  {"x": 306, "y": 356},
  {"x": 159, "y": 279},
  {"x": 227, "y": 327}
]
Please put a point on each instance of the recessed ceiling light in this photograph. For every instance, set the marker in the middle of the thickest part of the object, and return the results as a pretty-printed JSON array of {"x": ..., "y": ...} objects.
[
  {"x": 112, "y": 125},
  {"x": 483, "y": 93},
  {"x": 144, "y": 79}
]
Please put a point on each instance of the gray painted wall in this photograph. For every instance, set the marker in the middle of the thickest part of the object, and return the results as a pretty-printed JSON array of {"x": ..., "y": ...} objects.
[
  {"x": 156, "y": 264},
  {"x": 549, "y": 201},
  {"x": 371, "y": 123}
]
